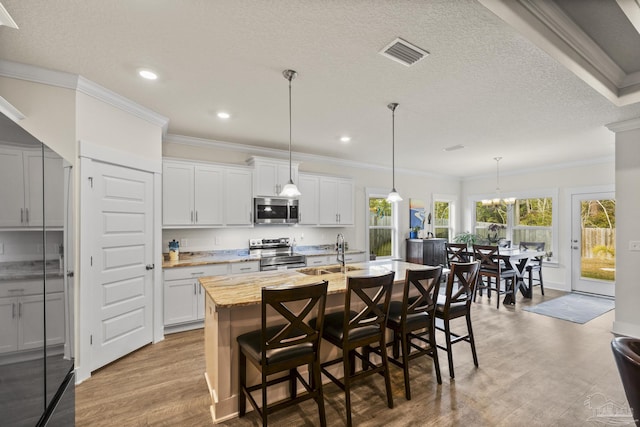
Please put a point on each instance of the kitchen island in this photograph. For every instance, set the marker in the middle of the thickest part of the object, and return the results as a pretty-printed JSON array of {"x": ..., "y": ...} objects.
[{"x": 233, "y": 307}]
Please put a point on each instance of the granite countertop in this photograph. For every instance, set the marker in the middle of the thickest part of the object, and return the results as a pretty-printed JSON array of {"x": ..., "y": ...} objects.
[
  {"x": 21, "y": 270},
  {"x": 190, "y": 259},
  {"x": 245, "y": 289}
]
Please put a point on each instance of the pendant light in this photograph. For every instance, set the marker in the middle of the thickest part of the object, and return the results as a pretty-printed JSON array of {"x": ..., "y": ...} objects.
[
  {"x": 290, "y": 189},
  {"x": 394, "y": 196},
  {"x": 495, "y": 202}
]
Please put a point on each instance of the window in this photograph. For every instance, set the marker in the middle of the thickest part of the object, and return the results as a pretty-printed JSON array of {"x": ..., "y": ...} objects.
[
  {"x": 382, "y": 227},
  {"x": 529, "y": 219},
  {"x": 442, "y": 220}
]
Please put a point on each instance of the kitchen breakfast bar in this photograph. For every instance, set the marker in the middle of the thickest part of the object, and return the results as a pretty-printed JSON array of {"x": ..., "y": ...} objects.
[{"x": 232, "y": 308}]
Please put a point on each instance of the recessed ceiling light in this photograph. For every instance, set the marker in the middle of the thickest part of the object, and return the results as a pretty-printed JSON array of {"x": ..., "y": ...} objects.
[
  {"x": 345, "y": 138},
  {"x": 223, "y": 115},
  {"x": 148, "y": 74}
]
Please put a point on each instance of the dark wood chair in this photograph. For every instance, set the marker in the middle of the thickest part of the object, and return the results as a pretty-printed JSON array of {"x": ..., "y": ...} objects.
[
  {"x": 350, "y": 330},
  {"x": 284, "y": 346},
  {"x": 535, "y": 265},
  {"x": 493, "y": 269},
  {"x": 413, "y": 318},
  {"x": 626, "y": 352},
  {"x": 457, "y": 252},
  {"x": 456, "y": 303}
]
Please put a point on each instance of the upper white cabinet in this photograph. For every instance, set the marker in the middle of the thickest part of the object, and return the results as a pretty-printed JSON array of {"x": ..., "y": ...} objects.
[
  {"x": 309, "y": 186},
  {"x": 336, "y": 201},
  {"x": 23, "y": 198},
  {"x": 205, "y": 195},
  {"x": 270, "y": 175}
]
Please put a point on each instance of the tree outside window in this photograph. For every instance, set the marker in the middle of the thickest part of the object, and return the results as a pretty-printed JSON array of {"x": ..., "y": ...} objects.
[
  {"x": 442, "y": 221},
  {"x": 381, "y": 227}
]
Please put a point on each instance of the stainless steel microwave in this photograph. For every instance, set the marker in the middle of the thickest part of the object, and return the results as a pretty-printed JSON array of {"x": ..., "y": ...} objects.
[{"x": 273, "y": 210}]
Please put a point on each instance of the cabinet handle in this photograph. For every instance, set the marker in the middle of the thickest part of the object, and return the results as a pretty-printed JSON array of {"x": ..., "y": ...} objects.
[
  {"x": 339, "y": 218},
  {"x": 13, "y": 310},
  {"x": 200, "y": 290},
  {"x": 245, "y": 268},
  {"x": 19, "y": 309},
  {"x": 27, "y": 215},
  {"x": 191, "y": 216},
  {"x": 194, "y": 289},
  {"x": 197, "y": 273}
]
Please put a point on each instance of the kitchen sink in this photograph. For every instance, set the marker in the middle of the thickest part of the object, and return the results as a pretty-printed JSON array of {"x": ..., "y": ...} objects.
[{"x": 319, "y": 271}]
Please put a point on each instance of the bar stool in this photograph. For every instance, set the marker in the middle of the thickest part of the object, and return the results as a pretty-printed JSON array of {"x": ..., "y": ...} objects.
[
  {"x": 455, "y": 305},
  {"x": 535, "y": 265},
  {"x": 413, "y": 319},
  {"x": 350, "y": 330},
  {"x": 278, "y": 347},
  {"x": 492, "y": 268}
]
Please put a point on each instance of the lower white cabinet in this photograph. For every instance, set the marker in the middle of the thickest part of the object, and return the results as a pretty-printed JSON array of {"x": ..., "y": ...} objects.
[
  {"x": 314, "y": 261},
  {"x": 21, "y": 315},
  {"x": 352, "y": 258},
  {"x": 184, "y": 297}
]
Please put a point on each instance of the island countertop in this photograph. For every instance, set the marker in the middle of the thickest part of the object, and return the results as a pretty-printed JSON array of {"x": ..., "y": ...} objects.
[{"x": 246, "y": 289}]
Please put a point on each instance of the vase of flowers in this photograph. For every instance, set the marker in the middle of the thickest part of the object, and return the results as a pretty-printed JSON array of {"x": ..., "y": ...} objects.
[{"x": 493, "y": 231}]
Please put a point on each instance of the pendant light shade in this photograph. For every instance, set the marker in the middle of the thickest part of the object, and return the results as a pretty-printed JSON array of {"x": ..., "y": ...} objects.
[
  {"x": 393, "y": 196},
  {"x": 290, "y": 190}
]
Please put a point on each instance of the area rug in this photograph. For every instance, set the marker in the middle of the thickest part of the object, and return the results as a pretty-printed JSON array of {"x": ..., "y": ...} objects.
[{"x": 575, "y": 308}]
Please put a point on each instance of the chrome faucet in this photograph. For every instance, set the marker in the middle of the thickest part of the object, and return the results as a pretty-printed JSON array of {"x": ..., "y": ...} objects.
[{"x": 340, "y": 250}]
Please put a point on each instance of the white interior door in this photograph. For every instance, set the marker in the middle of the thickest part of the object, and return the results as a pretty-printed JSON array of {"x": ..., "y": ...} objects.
[
  {"x": 121, "y": 202},
  {"x": 593, "y": 243}
]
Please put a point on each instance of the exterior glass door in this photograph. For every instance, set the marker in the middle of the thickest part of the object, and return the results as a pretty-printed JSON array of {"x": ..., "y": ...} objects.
[{"x": 593, "y": 243}]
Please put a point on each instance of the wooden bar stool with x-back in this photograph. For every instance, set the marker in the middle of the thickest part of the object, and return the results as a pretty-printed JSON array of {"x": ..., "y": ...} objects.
[
  {"x": 493, "y": 268},
  {"x": 351, "y": 330},
  {"x": 413, "y": 318},
  {"x": 283, "y": 343},
  {"x": 456, "y": 304}
]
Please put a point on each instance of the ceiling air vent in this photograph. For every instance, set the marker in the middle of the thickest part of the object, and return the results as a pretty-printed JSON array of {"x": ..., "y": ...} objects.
[{"x": 403, "y": 52}]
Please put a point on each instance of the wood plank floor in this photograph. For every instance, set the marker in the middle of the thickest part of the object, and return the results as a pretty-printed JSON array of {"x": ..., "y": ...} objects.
[{"x": 534, "y": 371}]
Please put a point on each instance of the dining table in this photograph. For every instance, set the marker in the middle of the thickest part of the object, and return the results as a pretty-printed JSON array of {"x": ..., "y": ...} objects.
[{"x": 518, "y": 259}]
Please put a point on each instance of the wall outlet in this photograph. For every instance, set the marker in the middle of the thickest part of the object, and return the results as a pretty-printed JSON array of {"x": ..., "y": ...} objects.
[
  {"x": 634, "y": 245},
  {"x": 184, "y": 243}
]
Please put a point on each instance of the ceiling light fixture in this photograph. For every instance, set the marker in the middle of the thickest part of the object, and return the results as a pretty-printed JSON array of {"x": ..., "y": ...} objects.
[
  {"x": 498, "y": 200},
  {"x": 345, "y": 138},
  {"x": 394, "y": 196},
  {"x": 223, "y": 115},
  {"x": 290, "y": 189},
  {"x": 147, "y": 74}
]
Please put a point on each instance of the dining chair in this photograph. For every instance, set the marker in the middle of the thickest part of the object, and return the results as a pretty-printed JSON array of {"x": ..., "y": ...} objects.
[
  {"x": 282, "y": 344},
  {"x": 535, "y": 264},
  {"x": 456, "y": 252},
  {"x": 413, "y": 319},
  {"x": 351, "y": 330},
  {"x": 492, "y": 268},
  {"x": 456, "y": 303}
]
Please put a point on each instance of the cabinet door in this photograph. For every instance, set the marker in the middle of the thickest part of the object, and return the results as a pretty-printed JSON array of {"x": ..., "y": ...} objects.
[
  {"x": 53, "y": 188},
  {"x": 9, "y": 322},
  {"x": 319, "y": 260},
  {"x": 55, "y": 318},
  {"x": 345, "y": 202},
  {"x": 238, "y": 201},
  {"x": 266, "y": 179},
  {"x": 180, "y": 301},
  {"x": 12, "y": 188},
  {"x": 328, "y": 201},
  {"x": 351, "y": 258},
  {"x": 208, "y": 195},
  {"x": 200, "y": 303},
  {"x": 177, "y": 194},
  {"x": 309, "y": 186},
  {"x": 283, "y": 176},
  {"x": 31, "y": 322}
]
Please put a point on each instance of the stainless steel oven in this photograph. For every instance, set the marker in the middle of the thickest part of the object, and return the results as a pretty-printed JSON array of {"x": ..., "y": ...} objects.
[
  {"x": 276, "y": 254},
  {"x": 273, "y": 210}
]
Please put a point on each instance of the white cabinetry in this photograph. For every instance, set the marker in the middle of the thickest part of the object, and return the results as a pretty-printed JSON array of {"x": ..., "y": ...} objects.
[
  {"x": 184, "y": 297},
  {"x": 270, "y": 175},
  {"x": 22, "y": 199},
  {"x": 314, "y": 261},
  {"x": 309, "y": 186},
  {"x": 352, "y": 258},
  {"x": 22, "y": 311},
  {"x": 336, "y": 201},
  {"x": 205, "y": 195}
]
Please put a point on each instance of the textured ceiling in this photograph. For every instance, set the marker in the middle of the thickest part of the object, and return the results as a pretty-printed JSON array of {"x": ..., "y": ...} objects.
[{"x": 483, "y": 85}]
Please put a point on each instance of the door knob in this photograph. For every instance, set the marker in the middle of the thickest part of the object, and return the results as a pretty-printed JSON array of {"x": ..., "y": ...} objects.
[
  {"x": 575, "y": 247},
  {"x": 150, "y": 266}
]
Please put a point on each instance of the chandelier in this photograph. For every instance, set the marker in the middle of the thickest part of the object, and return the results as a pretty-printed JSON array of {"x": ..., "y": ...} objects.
[{"x": 498, "y": 200}]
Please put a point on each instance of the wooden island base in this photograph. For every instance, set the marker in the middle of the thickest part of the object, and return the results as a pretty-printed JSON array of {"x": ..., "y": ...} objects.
[{"x": 233, "y": 308}]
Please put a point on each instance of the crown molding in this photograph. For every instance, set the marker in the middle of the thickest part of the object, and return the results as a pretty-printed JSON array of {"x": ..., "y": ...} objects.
[
  {"x": 624, "y": 125},
  {"x": 301, "y": 157},
  {"x": 10, "y": 111},
  {"x": 547, "y": 26},
  {"x": 65, "y": 80}
]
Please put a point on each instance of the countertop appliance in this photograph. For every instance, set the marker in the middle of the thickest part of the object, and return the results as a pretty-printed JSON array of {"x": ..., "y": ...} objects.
[
  {"x": 273, "y": 210},
  {"x": 276, "y": 254}
]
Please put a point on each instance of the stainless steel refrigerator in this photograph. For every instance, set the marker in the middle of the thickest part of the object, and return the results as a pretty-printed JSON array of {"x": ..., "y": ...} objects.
[{"x": 36, "y": 282}]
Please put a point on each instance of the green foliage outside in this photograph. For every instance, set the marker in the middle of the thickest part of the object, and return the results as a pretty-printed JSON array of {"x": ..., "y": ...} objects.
[
  {"x": 380, "y": 215},
  {"x": 604, "y": 252},
  {"x": 534, "y": 212},
  {"x": 598, "y": 214},
  {"x": 597, "y": 268}
]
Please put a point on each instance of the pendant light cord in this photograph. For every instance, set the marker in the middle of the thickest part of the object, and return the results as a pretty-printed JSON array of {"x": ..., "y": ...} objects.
[
  {"x": 290, "y": 179},
  {"x": 393, "y": 148}
]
